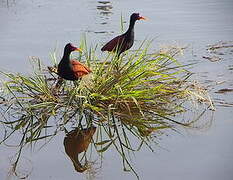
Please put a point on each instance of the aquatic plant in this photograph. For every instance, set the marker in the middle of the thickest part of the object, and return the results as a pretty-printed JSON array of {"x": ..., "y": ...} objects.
[{"x": 129, "y": 99}]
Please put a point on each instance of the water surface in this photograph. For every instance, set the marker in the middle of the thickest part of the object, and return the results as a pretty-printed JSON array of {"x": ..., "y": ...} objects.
[{"x": 36, "y": 28}]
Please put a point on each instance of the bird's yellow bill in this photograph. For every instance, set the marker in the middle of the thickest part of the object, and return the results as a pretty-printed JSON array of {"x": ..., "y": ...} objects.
[
  {"x": 78, "y": 49},
  {"x": 143, "y": 18}
]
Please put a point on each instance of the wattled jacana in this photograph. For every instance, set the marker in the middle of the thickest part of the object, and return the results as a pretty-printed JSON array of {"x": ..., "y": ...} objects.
[
  {"x": 76, "y": 142},
  {"x": 71, "y": 69},
  {"x": 125, "y": 41}
]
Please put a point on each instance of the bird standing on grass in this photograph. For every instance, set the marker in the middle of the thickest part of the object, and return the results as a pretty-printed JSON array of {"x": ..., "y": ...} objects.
[
  {"x": 125, "y": 41},
  {"x": 71, "y": 69}
]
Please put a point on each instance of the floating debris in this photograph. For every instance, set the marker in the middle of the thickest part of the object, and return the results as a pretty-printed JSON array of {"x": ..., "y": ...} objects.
[
  {"x": 220, "y": 45},
  {"x": 222, "y": 103},
  {"x": 212, "y": 59},
  {"x": 221, "y": 48},
  {"x": 225, "y": 90},
  {"x": 230, "y": 67}
]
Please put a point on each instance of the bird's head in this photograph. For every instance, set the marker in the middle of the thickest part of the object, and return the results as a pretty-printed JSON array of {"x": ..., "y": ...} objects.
[
  {"x": 70, "y": 47},
  {"x": 136, "y": 16}
]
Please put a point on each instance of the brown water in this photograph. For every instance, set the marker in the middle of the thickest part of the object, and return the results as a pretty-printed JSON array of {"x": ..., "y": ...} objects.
[{"x": 35, "y": 28}]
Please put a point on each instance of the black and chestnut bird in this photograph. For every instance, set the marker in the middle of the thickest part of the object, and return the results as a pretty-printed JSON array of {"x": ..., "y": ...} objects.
[
  {"x": 76, "y": 142},
  {"x": 125, "y": 41},
  {"x": 71, "y": 69}
]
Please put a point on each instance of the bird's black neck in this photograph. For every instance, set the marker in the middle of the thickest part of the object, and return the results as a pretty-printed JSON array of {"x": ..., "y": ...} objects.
[
  {"x": 131, "y": 26},
  {"x": 66, "y": 55}
]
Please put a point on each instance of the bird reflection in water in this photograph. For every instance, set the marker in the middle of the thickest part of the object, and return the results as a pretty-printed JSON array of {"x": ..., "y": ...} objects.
[{"x": 76, "y": 142}]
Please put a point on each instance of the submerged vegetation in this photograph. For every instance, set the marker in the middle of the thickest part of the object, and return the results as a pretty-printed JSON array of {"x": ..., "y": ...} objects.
[{"x": 129, "y": 99}]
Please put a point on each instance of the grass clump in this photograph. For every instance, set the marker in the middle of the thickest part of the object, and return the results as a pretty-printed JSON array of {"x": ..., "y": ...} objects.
[{"x": 129, "y": 99}]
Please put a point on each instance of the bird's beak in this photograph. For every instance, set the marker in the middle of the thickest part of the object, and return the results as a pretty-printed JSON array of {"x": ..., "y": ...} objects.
[
  {"x": 78, "y": 49},
  {"x": 141, "y": 17}
]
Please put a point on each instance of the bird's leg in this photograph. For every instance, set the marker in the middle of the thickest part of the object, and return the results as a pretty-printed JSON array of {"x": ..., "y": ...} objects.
[
  {"x": 59, "y": 83},
  {"x": 115, "y": 60},
  {"x": 57, "y": 86}
]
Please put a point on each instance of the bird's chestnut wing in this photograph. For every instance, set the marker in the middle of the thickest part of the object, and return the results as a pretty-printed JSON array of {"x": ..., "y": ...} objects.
[
  {"x": 112, "y": 45},
  {"x": 79, "y": 69}
]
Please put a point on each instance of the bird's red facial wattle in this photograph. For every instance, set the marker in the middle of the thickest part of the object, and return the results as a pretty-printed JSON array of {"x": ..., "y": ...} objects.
[{"x": 73, "y": 48}]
